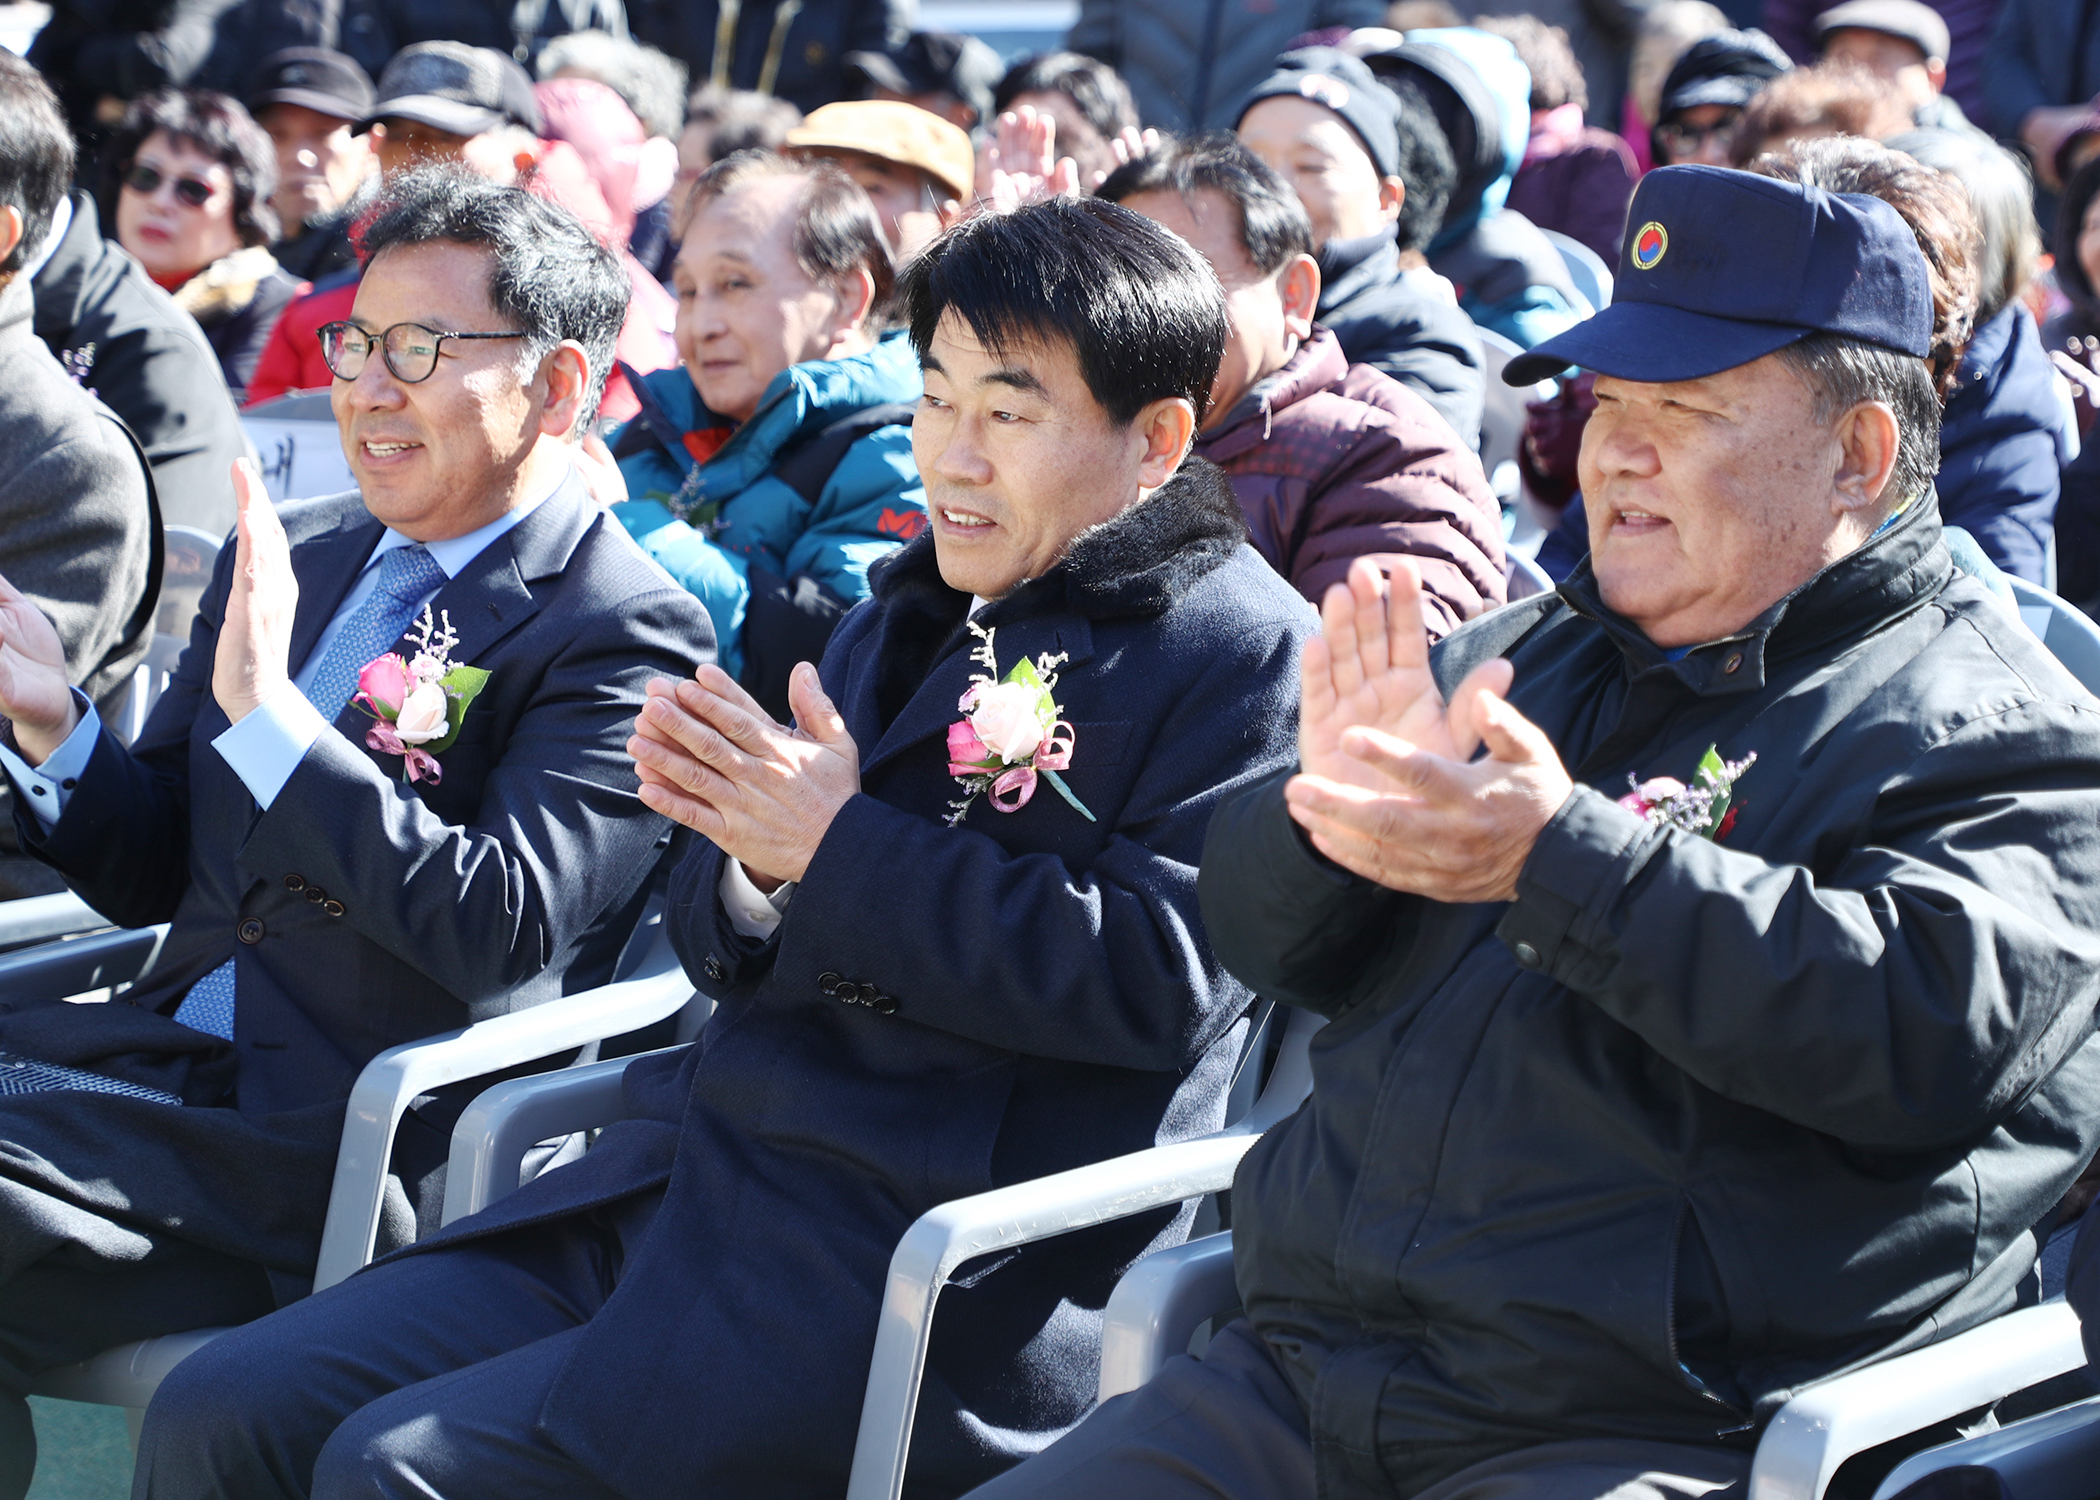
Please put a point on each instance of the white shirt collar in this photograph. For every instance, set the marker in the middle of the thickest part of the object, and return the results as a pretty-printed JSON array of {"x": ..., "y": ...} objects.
[
  {"x": 454, "y": 555},
  {"x": 61, "y": 221}
]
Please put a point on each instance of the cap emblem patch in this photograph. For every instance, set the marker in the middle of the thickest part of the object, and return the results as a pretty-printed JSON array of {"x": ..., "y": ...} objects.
[
  {"x": 1649, "y": 245},
  {"x": 1321, "y": 89}
]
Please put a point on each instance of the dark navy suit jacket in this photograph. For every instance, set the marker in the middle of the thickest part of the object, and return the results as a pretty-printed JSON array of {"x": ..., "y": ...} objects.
[{"x": 941, "y": 1010}]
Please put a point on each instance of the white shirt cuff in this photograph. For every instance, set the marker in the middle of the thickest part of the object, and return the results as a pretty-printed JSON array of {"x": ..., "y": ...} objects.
[
  {"x": 267, "y": 746},
  {"x": 752, "y": 913},
  {"x": 45, "y": 789}
]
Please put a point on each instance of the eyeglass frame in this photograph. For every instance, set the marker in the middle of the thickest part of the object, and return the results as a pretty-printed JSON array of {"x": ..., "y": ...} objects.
[
  {"x": 191, "y": 192},
  {"x": 387, "y": 354},
  {"x": 1682, "y": 134}
]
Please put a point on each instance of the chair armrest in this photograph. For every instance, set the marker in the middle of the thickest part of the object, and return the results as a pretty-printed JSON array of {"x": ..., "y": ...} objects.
[
  {"x": 396, "y": 1076},
  {"x": 503, "y": 1123},
  {"x": 945, "y": 1237},
  {"x": 1828, "y": 1423},
  {"x": 1156, "y": 1308},
  {"x": 54, "y": 970},
  {"x": 31, "y": 919}
]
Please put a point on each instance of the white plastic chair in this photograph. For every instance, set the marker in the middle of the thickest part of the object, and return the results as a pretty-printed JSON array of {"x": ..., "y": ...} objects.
[
  {"x": 2071, "y": 637},
  {"x": 1586, "y": 268},
  {"x": 2053, "y": 1456},
  {"x": 651, "y": 987}
]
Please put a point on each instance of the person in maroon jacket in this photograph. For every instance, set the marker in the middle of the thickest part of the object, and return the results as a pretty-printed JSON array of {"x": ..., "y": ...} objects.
[{"x": 1331, "y": 461}]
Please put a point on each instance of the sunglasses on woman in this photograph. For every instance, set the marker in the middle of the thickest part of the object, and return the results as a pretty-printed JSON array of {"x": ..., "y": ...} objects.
[{"x": 146, "y": 181}]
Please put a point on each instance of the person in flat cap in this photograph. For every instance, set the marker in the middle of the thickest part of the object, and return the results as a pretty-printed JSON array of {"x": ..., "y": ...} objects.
[
  {"x": 1710, "y": 946},
  {"x": 311, "y": 101},
  {"x": 1705, "y": 94},
  {"x": 1903, "y": 42}
]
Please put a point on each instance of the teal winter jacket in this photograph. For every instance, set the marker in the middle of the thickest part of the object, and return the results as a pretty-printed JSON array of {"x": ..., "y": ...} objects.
[{"x": 773, "y": 549}]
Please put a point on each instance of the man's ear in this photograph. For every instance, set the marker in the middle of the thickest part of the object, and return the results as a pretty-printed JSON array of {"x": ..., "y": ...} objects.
[
  {"x": 1936, "y": 72},
  {"x": 1392, "y": 197},
  {"x": 1869, "y": 438},
  {"x": 856, "y": 294},
  {"x": 567, "y": 372},
  {"x": 10, "y": 229},
  {"x": 1168, "y": 427},
  {"x": 1298, "y": 286}
]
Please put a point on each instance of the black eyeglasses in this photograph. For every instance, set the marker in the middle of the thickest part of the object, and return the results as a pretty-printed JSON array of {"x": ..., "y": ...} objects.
[
  {"x": 1682, "y": 136},
  {"x": 146, "y": 181},
  {"x": 410, "y": 349}
]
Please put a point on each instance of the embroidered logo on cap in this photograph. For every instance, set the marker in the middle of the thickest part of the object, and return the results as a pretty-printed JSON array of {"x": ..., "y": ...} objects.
[
  {"x": 1649, "y": 245},
  {"x": 1321, "y": 89}
]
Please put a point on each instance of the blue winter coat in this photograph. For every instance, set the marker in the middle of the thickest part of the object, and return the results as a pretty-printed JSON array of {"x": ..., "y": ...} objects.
[
  {"x": 2003, "y": 446},
  {"x": 942, "y": 1010},
  {"x": 711, "y": 522}
]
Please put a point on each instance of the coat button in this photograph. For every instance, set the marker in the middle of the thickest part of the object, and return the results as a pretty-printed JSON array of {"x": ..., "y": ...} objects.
[
  {"x": 250, "y": 930},
  {"x": 1732, "y": 663},
  {"x": 1527, "y": 955},
  {"x": 869, "y": 994},
  {"x": 828, "y": 985},
  {"x": 295, "y": 883},
  {"x": 316, "y": 895},
  {"x": 885, "y": 1005},
  {"x": 713, "y": 968},
  {"x": 333, "y": 908}
]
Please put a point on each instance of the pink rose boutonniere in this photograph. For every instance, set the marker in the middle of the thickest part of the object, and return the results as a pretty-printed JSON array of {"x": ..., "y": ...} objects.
[
  {"x": 1705, "y": 809},
  {"x": 1010, "y": 735},
  {"x": 418, "y": 705}
]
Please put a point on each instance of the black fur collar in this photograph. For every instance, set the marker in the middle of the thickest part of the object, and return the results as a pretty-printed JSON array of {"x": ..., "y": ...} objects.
[{"x": 1134, "y": 564}]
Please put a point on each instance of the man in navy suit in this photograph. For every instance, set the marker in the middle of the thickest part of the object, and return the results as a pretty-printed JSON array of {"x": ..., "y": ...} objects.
[
  {"x": 325, "y": 906},
  {"x": 928, "y": 985}
]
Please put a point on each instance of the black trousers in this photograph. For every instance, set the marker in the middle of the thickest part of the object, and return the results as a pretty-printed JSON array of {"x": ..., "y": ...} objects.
[
  {"x": 1227, "y": 1427},
  {"x": 61, "y": 1311},
  {"x": 422, "y": 1376}
]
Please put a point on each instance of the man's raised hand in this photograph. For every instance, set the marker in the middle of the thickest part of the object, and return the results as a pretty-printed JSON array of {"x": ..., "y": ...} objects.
[
  {"x": 34, "y": 694},
  {"x": 711, "y": 758},
  {"x": 255, "y": 640}
]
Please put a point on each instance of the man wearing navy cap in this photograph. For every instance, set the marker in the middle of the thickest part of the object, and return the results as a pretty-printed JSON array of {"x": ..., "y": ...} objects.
[{"x": 1710, "y": 947}]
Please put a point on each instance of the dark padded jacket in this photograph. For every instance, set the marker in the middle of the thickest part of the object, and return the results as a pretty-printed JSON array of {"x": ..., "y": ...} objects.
[
  {"x": 1333, "y": 461},
  {"x": 1395, "y": 327},
  {"x": 124, "y": 338},
  {"x": 1687, "y": 1124}
]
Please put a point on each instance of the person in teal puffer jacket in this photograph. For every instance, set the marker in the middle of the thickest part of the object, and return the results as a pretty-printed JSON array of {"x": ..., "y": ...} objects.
[{"x": 770, "y": 470}]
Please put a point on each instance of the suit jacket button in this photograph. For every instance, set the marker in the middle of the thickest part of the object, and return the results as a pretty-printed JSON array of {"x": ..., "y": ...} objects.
[
  {"x": 332, "y": 907},
  {"x": 713, "y": 968},
  {"x": 885, "y": 1005},
  {"x": 295, "y": 883},
  {"x": 316, "y": 895},
  {"x": 869, "y": 994},
  {"x": 250, "y": 930},
  {"x": 828, "y": 985}
]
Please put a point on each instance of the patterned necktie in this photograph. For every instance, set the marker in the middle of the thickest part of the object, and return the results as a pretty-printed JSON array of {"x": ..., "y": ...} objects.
[{"x": 406, "y": 574}]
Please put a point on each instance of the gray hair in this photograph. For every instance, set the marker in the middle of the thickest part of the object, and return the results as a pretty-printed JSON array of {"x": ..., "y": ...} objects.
[
  {"x": 550, "y": 276},
  {"x": 1842, "y": 372},
  {"x": 2001, "y": 191},
  {"x": 652, "y": 82}
]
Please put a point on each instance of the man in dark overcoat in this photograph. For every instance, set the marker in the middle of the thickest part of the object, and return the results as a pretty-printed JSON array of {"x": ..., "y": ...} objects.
[
  {"x": 951, "y": 919},
  {"x": 1727, "y": 1021}
]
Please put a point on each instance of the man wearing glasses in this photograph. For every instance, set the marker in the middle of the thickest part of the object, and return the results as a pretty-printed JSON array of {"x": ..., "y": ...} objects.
[
  {"x": 1705, "y": 93},
  {"x": 334, "y": 891}
]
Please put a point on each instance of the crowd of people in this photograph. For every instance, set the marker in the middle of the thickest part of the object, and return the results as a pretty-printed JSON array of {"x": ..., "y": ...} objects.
[{"x": 1497, "y": 530}]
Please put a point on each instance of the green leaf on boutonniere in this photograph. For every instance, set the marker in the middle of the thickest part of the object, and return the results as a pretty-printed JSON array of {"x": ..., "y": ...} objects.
[
  {"x": 462, "y": 686},
  {"x": 1712, "y": 773}
]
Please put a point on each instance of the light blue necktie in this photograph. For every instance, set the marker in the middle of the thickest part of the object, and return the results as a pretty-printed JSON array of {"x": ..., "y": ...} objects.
[{"x": 406, "y": 574}]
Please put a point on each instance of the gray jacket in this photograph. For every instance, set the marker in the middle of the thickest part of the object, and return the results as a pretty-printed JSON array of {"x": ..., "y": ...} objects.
[
  {"x": 1689, "y": 1123},
  {"x": 79, "y": 529},
  {"x": 1189, "y": 63}
]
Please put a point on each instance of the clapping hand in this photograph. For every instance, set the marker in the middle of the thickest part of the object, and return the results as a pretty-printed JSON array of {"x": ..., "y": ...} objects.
[
  {"x": 34, "y": 694},
  {"x": 1387, "y": 787},
  {"x": 253, "y": 659},
  {"x": 2077, "y": 365},
  {"x": 1025, "y": 166},
  {"x": 712, "y": 759}
]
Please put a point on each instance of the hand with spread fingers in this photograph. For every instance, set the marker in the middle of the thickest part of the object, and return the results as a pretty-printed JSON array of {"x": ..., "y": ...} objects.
[
  {"x": 34, "y": 693},
  {"x": 1387, "y": 787},
  {"x": 253, "y": 658},
  {"x": 712, "y": 759}
]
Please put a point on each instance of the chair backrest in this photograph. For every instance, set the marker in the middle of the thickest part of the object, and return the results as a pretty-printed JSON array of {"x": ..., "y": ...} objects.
[
  {"x": 1502, "y": 416},
  {"x": 192, "y": 554},
  {"x": 2073, "y": 639},
  {"x": 1525, "y": 577},
  {"x": 298, "y": 447},
  {"x": 1592, "y": 277},
  {"x": 150, "y": 679}
]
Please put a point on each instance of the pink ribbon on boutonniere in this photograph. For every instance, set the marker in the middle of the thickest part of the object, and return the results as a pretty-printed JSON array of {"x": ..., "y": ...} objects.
[{"x": 416, "y": 763}]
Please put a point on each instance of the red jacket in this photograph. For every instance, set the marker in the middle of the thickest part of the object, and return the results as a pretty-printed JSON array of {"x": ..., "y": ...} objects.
[{"x": 1333, "y": 461}]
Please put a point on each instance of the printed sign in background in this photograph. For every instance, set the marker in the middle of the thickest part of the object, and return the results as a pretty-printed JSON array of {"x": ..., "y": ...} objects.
[{"x": 298, "y": 447}]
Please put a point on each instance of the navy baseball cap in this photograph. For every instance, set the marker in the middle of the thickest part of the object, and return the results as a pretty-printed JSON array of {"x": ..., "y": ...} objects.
[
  {"x": 1722, "y": 267},
  {"x": 1342, "y": 83}
]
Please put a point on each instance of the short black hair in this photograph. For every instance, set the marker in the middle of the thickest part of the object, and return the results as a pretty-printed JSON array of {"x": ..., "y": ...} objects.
[
  {"x": 1426, "y": 166},
  {"x": 837, "y": 231},
  {"x": 551, "y": 276},
  {"x": 1273, "y": 226},
  {"x": 215, "y": 125},
  {"x": 1142, "y": 311},
  {"x": 36, "y": 155},
  {"x": 1097, "y": 89}
]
